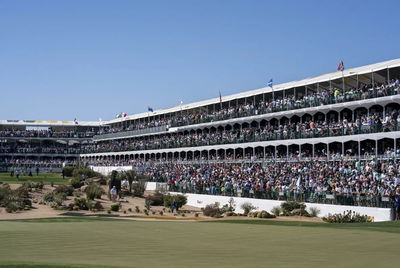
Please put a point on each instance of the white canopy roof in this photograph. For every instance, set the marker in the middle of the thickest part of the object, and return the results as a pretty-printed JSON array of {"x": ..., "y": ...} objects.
[{"x": 307, "y": 81}]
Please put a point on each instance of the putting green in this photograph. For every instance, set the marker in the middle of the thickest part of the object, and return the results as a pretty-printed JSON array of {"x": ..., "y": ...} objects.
[{"x": 122, "y": 243}]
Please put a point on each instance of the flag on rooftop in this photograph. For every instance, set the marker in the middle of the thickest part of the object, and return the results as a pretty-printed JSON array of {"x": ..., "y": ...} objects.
[
  {"x": 150, "y": 109},
  {"x": 340, "y": 66},
  {"x": 270, "y": 83},
  {"x": 76, "y": 121},
  {"x": 220, "y": 97}
]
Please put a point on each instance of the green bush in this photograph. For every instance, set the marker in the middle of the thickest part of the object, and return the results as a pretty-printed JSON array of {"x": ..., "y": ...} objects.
[
  {"x": 247, "y": 207},
  {"x": 289, "y": 206},
  {"x": 94, "y": 191},
  {"x": 137, "y": 210},
  {"x": 115, "y": 207},
  {"x": 179, "y": 199},
  {"x": 68, "y": 171},
  {"x": 65, "y": 189},
  {"x": 94, "y": 205},
  {"x": 76, "y": 182},
  {"x": 81, "y": 203},
  {"x": 84, "y": 173},
  {"x": 138, "y": 188},
  {"x": 161, "y": 213}
]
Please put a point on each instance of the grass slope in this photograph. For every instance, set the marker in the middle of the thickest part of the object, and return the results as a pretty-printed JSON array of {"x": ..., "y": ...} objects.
[
  {"x": 108, "y": 242},
  {"x": 46, "y": 178}
]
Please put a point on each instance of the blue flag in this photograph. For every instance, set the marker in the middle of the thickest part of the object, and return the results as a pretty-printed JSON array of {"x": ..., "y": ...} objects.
[
  {"x": 149, "y": 109},
  {"x": 270, "y": 83}
]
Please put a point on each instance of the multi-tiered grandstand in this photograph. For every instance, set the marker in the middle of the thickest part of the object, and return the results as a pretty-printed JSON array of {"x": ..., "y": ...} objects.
[{"x": 330, "y": 135}]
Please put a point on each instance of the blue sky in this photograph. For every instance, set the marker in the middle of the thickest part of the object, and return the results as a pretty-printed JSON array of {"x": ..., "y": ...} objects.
[{"x": 93, "y": 59}]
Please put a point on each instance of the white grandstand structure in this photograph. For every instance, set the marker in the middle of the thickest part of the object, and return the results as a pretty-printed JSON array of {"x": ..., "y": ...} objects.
[{"x": 338, "y": 96}]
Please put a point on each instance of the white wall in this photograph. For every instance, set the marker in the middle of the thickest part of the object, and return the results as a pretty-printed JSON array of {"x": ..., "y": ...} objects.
[
  {"x": 198, "y": 200},
  {"x": 107, "y": 170}
]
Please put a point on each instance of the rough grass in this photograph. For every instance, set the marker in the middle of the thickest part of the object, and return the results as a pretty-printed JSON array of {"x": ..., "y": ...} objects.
[
  {"x": 120, "y": 243},
  {"x": 46, "y": 178}
]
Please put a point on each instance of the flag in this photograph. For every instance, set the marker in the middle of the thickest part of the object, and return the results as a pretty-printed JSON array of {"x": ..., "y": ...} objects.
[
  {"x": 220, "y": 97},
  {"x": 124, "y": 115},
  {"x": 270, "y": 83},
  {"x": 150, "y": 109},
  {"x": 341, "y": 66},
  {"x": 76, "y": 121}
]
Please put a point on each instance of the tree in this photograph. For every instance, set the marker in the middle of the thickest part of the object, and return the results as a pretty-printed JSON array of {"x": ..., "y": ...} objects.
[{"x": 130, "y": 175}]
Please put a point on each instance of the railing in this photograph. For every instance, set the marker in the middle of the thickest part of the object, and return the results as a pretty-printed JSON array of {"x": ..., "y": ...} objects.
[
  {"x": 126, "y": 134},
  {"x": 350, "y": 199},
  {"x": 299, "y": 104},
  {"x": 257, "y": 137}
]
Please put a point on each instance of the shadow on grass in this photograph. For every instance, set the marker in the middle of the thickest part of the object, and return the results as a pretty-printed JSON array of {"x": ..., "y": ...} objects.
[
  {"x": 48, "y": 265},
  {"x": 388, "y": 227}
]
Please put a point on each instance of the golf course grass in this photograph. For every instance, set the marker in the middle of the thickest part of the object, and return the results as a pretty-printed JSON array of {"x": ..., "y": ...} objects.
[
  {"x": 46, "y": 178},
  {"x": 81, "y": 241}
]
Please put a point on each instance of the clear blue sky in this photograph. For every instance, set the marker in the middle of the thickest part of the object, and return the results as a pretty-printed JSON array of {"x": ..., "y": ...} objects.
[{"x": 93, "y": 59}]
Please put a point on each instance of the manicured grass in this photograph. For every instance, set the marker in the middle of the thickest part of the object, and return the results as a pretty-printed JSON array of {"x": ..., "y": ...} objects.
[
  {"x": 46, "y": 178},
  {"x": 122, "y": 243}
]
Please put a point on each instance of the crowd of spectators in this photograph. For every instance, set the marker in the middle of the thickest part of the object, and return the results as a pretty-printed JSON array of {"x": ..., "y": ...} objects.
[
  {"x": 310, "y": 129},
  {"x": 40, "y": 133},
  {"x": 39, "y": 149},
  {"x": 368, "y": 183},
  {"x": 281, "y": 103},
  {"x": 42, "y": 163}
]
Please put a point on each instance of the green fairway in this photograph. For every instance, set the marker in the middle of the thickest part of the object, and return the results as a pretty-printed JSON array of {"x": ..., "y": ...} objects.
[
  {"x": 46, "y": 178},
  {"x": 121, "y": 243}
]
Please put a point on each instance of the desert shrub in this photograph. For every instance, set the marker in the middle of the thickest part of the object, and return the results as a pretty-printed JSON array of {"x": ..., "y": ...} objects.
[
  {"x": 161, "y": 213},
  {"x": 300, "y": 212},
  {"x": 76, "y": 182},
  {"x": 13, "y": 206},
  {"x": 247, "y": 207},
  {"x": 101, "y": 180},
  {"x": 153, "y": 212},
  {"x": 179, "y": 199},
  {"x": 94, "y": 205},
  {"x": 347, "y": 216},
  {"x": 314, "y": 212},
  {"x": 289, "y": 206},
  {"x": 68, "y": 171},
  {"x": 276, "y": 211},
  {"x": 146, "y": 212},
  {"x": 84, "y": 173},
  {"x": 115, "y": 207},
  {"x": 65, "y": 189},
  {"x": 137, "y": 210},
  {"x": 212, "y": 210},
  {"x": 81, "y": 203},
  {"x": 156, "y": 199},
  {"x": 138, "y": 188},
  {"x": 14, "y": 200},
  {"x": 147, "y": 204},
  {"x": 265, "y": 215},
  {"x": 130, "y": 209},
  {"x": 94, "y": 191},
  {"x": 196, "y": 215},
  {"x": 109, "y": 211}
]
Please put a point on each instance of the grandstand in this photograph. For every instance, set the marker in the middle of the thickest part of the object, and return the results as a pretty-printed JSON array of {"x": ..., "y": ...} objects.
[
  {"x": 47, "y": 145},
  {"x": 332, "y": 139}
]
